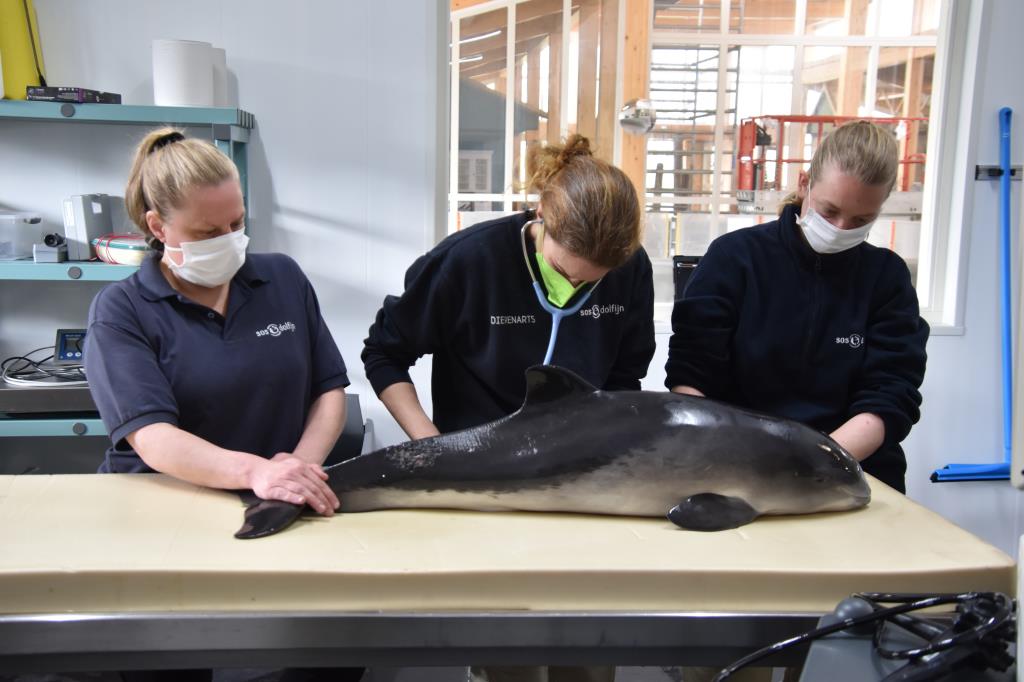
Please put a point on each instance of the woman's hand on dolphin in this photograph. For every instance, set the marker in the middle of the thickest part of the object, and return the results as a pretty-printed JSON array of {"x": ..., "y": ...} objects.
[
  {"x": 688, "y": 390},
  {"x": 290, "y": 479}
]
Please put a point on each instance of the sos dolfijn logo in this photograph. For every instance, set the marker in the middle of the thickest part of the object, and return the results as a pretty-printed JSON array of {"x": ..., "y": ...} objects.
[
  {"x": 276, "y": 329},
  {"x": 853, "y": 340}
]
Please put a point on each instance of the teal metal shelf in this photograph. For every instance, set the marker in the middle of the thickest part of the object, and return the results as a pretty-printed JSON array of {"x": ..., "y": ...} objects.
[
  {"x": 229, "y": 127},
  {"x": 126, "y": 114},
  {"x": 42, "y": 427},
  {"x": 70, "y": 271}
]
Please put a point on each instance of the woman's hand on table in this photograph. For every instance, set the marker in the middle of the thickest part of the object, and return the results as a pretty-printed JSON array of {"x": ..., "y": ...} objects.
[{"x": 287, "y": 478}]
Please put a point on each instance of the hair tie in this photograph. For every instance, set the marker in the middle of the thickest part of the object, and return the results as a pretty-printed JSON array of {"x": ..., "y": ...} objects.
[{"x": 167, "y": 139}]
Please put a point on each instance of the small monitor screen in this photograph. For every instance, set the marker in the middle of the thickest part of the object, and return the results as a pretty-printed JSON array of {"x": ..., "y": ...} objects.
[{"x": 68, "y": 348}]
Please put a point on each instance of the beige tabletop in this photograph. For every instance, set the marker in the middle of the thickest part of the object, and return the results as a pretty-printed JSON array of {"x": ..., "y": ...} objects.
[{"x": 85, "y": 543}]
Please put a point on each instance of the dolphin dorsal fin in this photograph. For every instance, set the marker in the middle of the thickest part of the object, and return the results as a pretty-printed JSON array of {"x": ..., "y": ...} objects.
[{"x": 547, "y": 383}]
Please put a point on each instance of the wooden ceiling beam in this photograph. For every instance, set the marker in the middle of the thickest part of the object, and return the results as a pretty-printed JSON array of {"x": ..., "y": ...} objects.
[
  {"x": 498, "y": 19},
  {"x": 494, "y": 60},
  {"x": 825, "y": 70},
  {"x": 465, "y": 4},
  {"x": 525, "y": 31}
]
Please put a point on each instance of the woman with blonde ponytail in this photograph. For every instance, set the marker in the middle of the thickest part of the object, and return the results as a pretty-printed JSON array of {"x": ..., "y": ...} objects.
[
  {"x": 801, "y": 318},
  {"x": 481, "y": 301},
  {"x": 211, "y": 364}
]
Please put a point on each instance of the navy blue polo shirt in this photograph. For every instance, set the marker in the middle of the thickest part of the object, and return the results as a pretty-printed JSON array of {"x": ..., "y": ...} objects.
[{"x": 244, "y": 381}]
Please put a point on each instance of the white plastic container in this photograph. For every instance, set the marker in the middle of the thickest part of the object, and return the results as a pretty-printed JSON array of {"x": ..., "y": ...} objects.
[{"x": 18, "y": 232}]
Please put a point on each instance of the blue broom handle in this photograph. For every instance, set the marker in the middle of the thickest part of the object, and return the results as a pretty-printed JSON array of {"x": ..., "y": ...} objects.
[{"x": 1005, "y": 115}]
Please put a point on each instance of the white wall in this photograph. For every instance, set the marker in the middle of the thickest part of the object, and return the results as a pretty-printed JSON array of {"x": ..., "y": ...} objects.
[
  {"x": 962, "y": 411},
  {"x": 345, "y": 164}
]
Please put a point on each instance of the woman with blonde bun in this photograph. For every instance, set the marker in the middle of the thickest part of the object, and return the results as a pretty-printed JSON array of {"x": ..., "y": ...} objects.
[{"x": 801, "y": 318}]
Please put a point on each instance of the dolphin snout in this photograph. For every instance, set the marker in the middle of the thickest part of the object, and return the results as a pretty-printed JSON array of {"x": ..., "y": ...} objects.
[
  {"x": 849, "y": 475},
  {"x": 860, "y": 491}
]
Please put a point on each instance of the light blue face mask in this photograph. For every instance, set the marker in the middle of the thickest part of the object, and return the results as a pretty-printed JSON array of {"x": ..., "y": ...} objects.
[{"x": 557, "y": 314}]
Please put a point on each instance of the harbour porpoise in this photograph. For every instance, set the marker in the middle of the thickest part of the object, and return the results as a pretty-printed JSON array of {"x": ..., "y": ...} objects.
[{"x": 571, "y": 447}]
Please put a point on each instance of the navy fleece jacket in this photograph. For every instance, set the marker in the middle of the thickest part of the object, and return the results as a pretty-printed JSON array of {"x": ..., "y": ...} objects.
[
  {"x": 768, "y": 324},
  {"x": 470, "y": 303}
]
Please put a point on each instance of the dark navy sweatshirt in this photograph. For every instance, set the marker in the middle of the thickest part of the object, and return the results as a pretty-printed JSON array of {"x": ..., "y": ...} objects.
[
  {"x": 470, "y": 303},
  {"x": 767, "y": 323}
]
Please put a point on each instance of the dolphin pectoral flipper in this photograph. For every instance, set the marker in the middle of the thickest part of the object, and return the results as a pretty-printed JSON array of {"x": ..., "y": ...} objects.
[
  {"x": 267, "y": 517},
  {"x": 709, "y": 511}
]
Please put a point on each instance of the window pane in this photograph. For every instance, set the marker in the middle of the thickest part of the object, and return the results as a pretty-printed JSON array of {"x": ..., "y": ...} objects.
[
  {"x": 483, "y": 84},
  {"x": 681, "y": 153},
  {"x": 763, "y": 17},
  {"x": 834, "y": 80},
  {"x": 900, "y": 235},
  {"x": 904, "y": 91},
  {"x": 830, "y": 17},
  {"x": 596, "y": 33},
  {"x": 929, "y": 10},
  {"x": 689, "y": 16},
  {"x": 538, "y": 48},
  {"x": 904, "y": 17},
  {"x": 693, "y": 232}
]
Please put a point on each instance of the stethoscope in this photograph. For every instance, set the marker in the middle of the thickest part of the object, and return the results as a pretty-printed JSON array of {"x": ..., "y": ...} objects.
[{"x": 557, "y": 314}]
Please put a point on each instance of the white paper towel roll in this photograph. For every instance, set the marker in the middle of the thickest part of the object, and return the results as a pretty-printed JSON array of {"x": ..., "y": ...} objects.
[
  {"x": 182, "y": 73},
  {"x": 221, "y": 97}
]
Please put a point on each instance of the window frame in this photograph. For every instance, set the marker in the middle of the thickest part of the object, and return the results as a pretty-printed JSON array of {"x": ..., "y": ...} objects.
[
  {"x": 508, "y": 197},
  {"x": 943, "y": 250},
  {"x": 942, "y": 254}
]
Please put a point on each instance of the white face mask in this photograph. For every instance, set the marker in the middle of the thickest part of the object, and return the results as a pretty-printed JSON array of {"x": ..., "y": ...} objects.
[
  {"x": 824, "y": 237},
  {"x": 210, "y": 262}
]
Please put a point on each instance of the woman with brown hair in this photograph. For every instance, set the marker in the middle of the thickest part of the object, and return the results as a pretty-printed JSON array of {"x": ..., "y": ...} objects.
[
  {"x": 480, "y": 303},
  {"x": 484, "y": 301},
  {"x": 800, "y": 318}
]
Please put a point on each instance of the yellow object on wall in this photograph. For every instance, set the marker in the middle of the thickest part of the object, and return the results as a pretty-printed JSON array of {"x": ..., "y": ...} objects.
[{"x": 20, "y": 52}]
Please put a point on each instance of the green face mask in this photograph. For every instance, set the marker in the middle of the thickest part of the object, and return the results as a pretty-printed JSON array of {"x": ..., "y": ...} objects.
[{"x": 559, "y": 289}]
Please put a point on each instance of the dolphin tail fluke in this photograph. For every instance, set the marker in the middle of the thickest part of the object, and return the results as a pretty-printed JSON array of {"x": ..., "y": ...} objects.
[
  {"x": 709, "y": 512},
  {"x": 267, "y": 517}
]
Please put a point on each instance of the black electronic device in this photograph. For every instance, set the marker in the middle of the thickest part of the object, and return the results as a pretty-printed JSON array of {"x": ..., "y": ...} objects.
[
  {"x": 35, "y": 93},
  {"x": 682, "y": 268},
  {"x": 69, "y": 347}
]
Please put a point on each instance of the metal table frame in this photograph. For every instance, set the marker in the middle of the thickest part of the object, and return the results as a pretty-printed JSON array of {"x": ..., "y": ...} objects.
[{"x": 171, "y": 640}]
